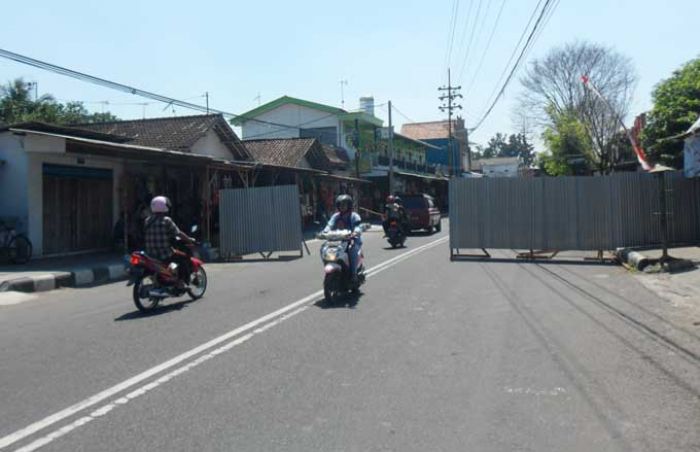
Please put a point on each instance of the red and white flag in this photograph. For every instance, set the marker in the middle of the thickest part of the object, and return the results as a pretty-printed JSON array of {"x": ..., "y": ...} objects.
[{"x": 633, "y": 137}]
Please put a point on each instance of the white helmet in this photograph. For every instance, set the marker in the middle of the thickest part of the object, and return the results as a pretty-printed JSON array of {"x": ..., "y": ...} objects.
[{"x": 160, "y": 204}]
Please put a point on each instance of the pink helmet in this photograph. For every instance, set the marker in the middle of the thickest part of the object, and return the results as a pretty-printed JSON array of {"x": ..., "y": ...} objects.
[{"x": 160, "y": 204}]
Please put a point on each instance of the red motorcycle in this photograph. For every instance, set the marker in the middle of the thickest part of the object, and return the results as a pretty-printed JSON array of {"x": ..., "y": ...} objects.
[{"x": 155, "y": 281}]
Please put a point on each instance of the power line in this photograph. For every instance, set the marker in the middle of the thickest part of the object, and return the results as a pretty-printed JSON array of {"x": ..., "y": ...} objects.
[
  {"x": 515, "y": 51},
  {"x": 402, "y": 114},
  {"x": 451, "y": 34},
  {"x": 471, "y": 37},
  {"x": 486, "y": 49},
  {"x": 169, "y": 101},
  {"x": 465, "y": 27},
  {"x": 515, "y": 67}
]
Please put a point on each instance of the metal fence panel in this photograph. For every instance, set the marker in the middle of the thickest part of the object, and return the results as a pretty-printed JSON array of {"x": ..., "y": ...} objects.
[
  {"x": 580, "y": 213},
  {"x": 259, "y": 220}
]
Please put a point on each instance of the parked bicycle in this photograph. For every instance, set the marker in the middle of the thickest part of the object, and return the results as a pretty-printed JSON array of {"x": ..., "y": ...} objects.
[{"x": 16, "y": 247}]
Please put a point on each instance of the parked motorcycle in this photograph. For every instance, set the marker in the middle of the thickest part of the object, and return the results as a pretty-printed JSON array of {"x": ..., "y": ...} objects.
[
  {"x": 395, "y": 234},
  {"x": 336, "y": 264},
  {"x": 155, "y": 281}
]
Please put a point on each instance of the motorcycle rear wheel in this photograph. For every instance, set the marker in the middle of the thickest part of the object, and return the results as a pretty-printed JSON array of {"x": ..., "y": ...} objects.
[{"x": 142, "y": 299}]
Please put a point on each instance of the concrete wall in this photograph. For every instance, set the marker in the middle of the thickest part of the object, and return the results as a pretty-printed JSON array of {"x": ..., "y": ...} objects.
[
  {"x": 211, "y": 145},
  {"x": 510, "y": 170},
  {"x": 13, "y": 180},
  {"x": 35, "y": 192},
  {"x": 29, "y": 153},
  {"x": 291, "y": 115}
]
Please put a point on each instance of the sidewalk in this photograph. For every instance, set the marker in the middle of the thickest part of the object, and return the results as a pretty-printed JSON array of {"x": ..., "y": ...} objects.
[
  {"x": 681, "y": 289},
  {"x": 83, "y": 270},
  {"x": 52, "y": 273}
]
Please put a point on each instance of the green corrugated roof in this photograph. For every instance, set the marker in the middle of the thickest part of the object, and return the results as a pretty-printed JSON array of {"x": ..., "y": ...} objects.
[{"x": 283, "y": 101}]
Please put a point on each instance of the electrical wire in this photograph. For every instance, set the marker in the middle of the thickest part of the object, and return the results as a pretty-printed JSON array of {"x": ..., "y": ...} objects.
[
  {"x": 451, "y": 34},
  {"x": 515, "y": 51},
  {"x": 486, "y": 49},
  {"x": 169, "y": 101},
  {"x": 471, "y": 37},
  {"x": 515, "y": 67}
]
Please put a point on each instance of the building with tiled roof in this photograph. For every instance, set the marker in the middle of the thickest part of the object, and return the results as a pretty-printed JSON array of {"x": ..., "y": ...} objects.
[
  {"x": 289, "y": 152},
  {"x": 199, "y": 134},
  {"x": 437, "y": 133}
]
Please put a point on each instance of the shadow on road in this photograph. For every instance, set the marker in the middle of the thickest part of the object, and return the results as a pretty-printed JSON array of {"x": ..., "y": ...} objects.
[
  {"x": 251, "y": 260},
  {"x": 346, "y": 301},
  {"x": 160, "y": 310}
]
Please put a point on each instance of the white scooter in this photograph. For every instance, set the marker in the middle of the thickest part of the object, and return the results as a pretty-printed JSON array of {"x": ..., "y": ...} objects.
[{"x": 336, "y": 263}]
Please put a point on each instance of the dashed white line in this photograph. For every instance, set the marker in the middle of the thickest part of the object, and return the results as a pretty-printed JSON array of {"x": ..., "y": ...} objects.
[{"x": 257, "y": 326}]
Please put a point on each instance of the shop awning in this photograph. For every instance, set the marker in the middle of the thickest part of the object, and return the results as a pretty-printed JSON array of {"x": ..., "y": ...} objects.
[
  {"x": 79, "y": 145},
  {"x": 345, "y": 178},
  {"x": 421, "y": 176}
]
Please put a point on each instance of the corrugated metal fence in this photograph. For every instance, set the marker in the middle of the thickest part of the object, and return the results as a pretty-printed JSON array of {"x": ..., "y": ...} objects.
[
  {"x": 572, "y": 213},
  {"x": 259, "y": 220}
]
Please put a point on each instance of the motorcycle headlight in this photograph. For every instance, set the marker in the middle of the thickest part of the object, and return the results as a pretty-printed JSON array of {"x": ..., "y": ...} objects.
[{"x": 329, "y": 254}]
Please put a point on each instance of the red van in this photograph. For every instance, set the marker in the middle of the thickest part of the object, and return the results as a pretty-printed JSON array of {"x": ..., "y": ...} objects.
[{"x": 422, "y": 212}]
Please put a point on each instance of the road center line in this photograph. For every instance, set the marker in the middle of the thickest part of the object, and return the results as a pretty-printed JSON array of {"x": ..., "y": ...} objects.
[{"x": 279, "y": 315}]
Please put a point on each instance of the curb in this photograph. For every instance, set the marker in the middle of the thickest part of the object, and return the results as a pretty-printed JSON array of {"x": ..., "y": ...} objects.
[
  {"x": 639, "y": 262},
  {"x": 75, "y": 278}
]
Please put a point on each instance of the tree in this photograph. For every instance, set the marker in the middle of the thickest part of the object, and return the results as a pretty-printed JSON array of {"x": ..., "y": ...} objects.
[
  {"x": 553, "y": 87},
  {"x": 16, "y": 105},
  {"x": 495, "y": 146},
  {"x": 515, "y": 145},
  {"x": 676, "y": 108},
  {"x": 568, "y": 145}
]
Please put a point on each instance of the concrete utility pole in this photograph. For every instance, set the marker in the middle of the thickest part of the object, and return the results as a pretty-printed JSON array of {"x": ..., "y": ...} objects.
[
  {"x": 342, "y": 92},
  {"x": 356, "y": 140},
  {"x": 391, "y": 154},
  {"x": 451, "y": 95}
]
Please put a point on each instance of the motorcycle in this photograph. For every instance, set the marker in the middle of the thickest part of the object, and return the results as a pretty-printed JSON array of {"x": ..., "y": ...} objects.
[
  {"x": 336, "y": 264},
  {"x": 395, "y": 234},
  {"x": 155, "y": 281}
]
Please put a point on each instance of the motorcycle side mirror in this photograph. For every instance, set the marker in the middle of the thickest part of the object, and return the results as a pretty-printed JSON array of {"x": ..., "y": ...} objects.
[{"x": 194, "y": 229}]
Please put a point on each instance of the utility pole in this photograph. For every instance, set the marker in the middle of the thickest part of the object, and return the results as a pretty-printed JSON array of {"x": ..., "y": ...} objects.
[
  {"x": 206, "y": 94},
  {"x": 391, "y": 154},
  {"x": 451, "y": 95},
  {"x": 356, "y": 141},
  {"x": 469, "y": 150},
  {"x": 342, "y": 93}
]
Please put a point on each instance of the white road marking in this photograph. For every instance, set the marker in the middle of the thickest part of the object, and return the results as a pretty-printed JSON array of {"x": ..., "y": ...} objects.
[
  {"x": 279, "y": 316},
  {"x": 10, "y": 298}
]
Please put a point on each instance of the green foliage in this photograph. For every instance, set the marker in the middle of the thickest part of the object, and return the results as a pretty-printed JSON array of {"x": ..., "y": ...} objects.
[
  {"x": 17, "y": 105},
  {"x": 676, "y": 108},
  {"x": 515, "y": 145},
  {"x": 568, "y": 145}
]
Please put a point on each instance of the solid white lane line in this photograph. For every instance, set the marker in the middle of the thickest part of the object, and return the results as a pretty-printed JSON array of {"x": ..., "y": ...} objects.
[{"x": 279, "y": 315}]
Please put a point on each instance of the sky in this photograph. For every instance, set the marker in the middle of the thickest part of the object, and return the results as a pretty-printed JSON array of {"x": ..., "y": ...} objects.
[{"x": 392, "y": 50}]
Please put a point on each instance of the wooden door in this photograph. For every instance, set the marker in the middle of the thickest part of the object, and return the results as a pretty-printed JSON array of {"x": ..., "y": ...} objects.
[{"x": 77, "y": 211}]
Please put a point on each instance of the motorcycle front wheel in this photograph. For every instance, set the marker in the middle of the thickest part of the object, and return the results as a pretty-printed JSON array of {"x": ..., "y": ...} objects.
[
  {"x": 142, "y": 298},
  {"x": 330, "y": 289},
  {"x": 198, "y": 284}
]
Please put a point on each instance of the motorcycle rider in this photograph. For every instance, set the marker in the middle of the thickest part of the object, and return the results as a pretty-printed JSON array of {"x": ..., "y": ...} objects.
[
  {"x": 345, "y": 218},
  {"x": 160, "y": 230},
  {"x": 393, "y": 209}
]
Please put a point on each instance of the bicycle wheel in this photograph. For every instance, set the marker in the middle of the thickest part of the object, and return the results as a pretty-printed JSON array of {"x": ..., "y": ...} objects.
[{"x": 20, "y": 249}]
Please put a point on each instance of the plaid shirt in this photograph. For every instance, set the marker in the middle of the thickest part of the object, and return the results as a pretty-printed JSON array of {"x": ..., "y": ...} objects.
[{"x": 160, "y": 230}]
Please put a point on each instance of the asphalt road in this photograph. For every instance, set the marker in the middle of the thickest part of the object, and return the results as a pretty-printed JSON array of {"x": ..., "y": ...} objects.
[{"x": 435, "y": 355}]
